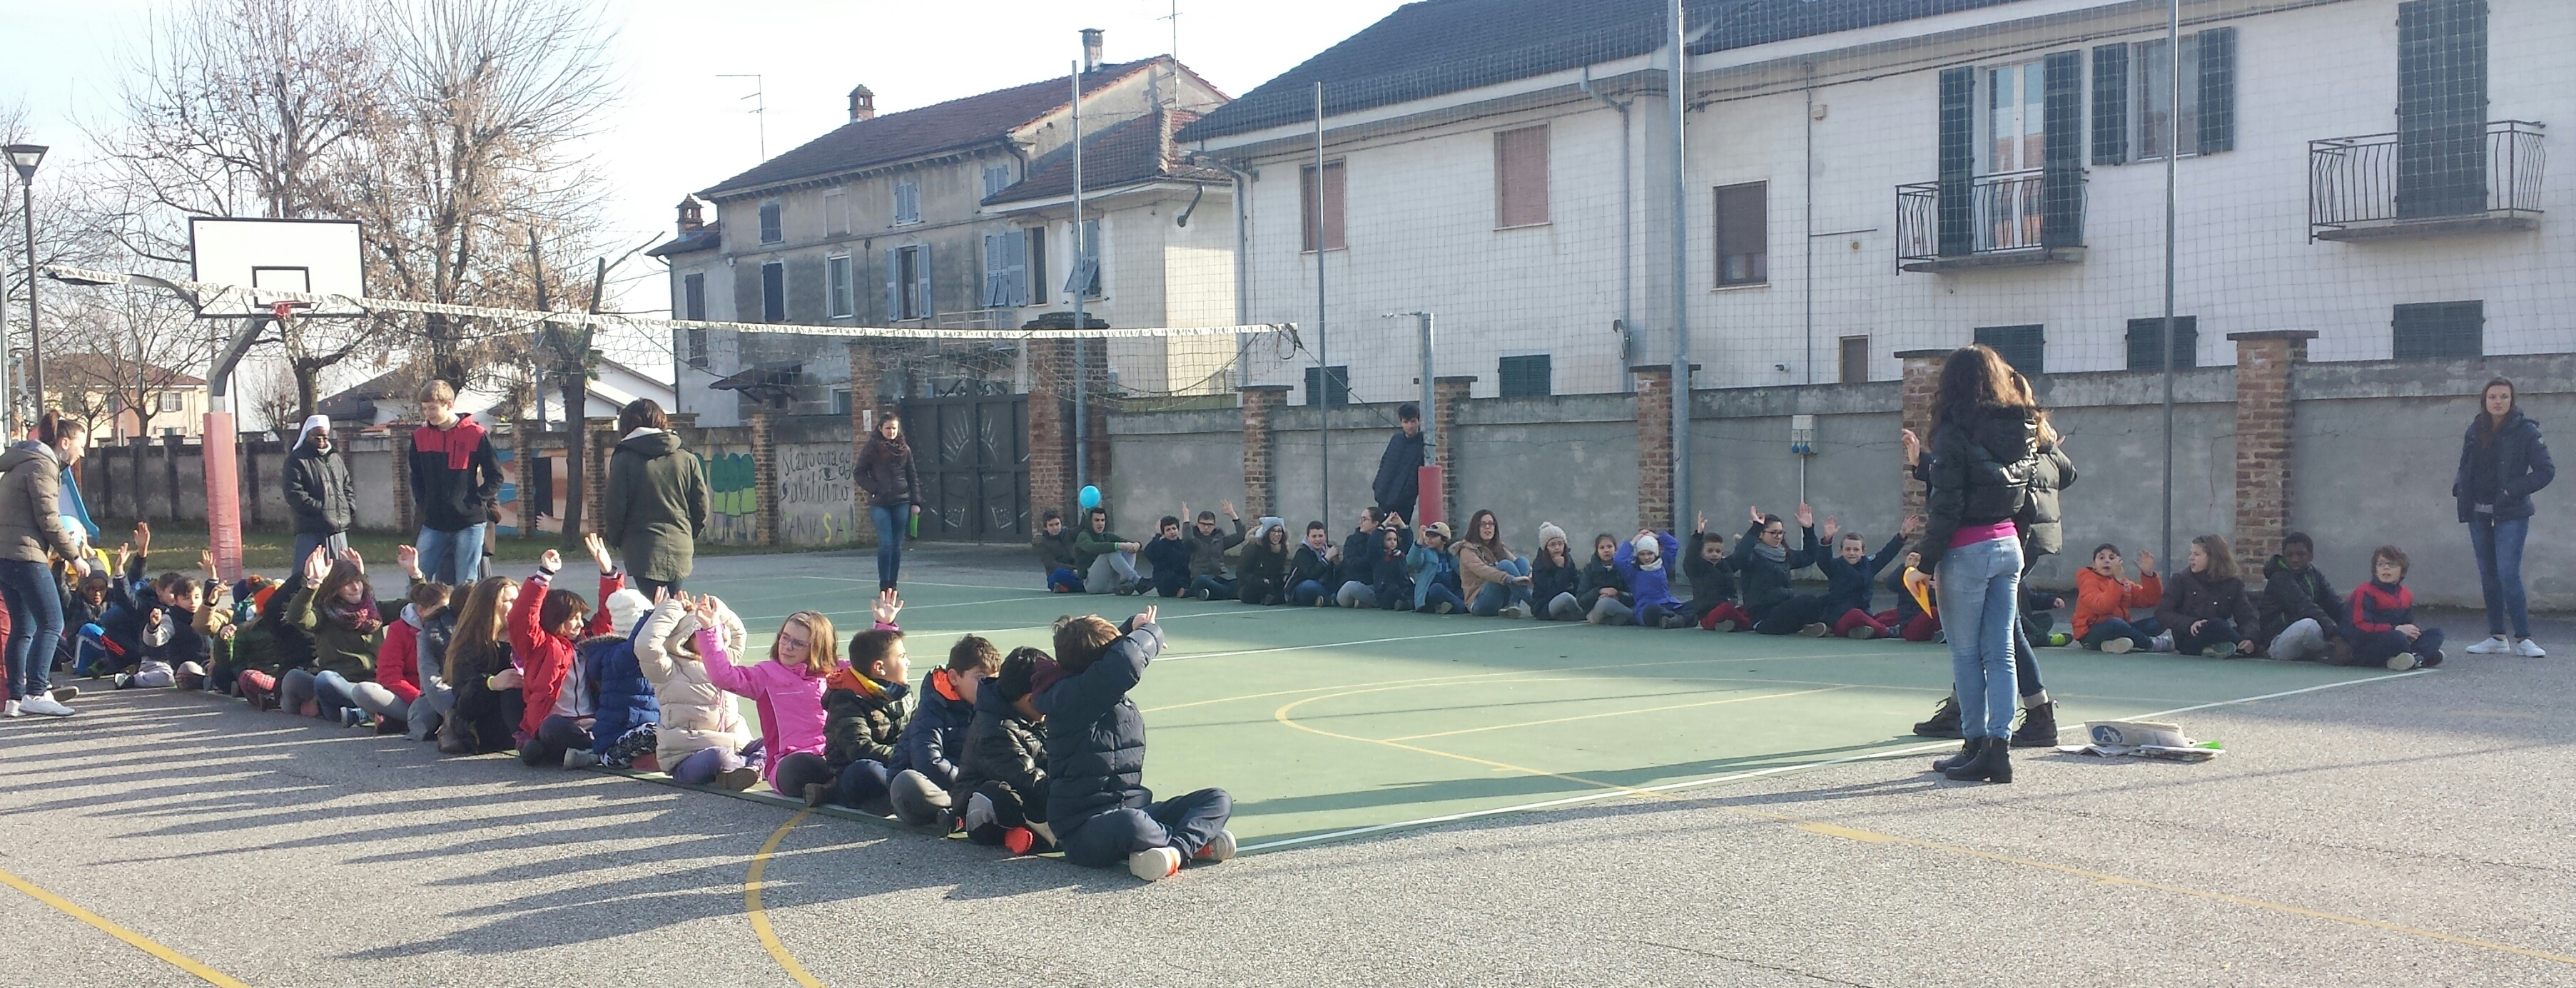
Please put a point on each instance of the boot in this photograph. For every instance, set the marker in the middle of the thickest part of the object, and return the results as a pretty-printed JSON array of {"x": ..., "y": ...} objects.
[
  {"x": 1993, "y": 762},
  {"x": 1944, "y": 722},
  {"x": 2038, "y": 727},
  {"x": 1967, "y": 752}
]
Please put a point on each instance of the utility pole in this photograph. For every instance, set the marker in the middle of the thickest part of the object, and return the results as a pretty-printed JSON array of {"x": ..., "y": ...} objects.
[
  {"x": 759, "y": 106},
  {"x": 1678, "y": 93},
  {"x": 1080, "y": 286}
]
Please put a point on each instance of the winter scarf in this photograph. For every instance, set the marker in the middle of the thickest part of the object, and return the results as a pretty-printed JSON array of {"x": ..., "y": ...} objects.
[
  {"x": 845, "y": 678},
  {"x": 361, "y": 617},
  {"x": 1646, "y": 544},
  {"x": 1774, "y": 553}
]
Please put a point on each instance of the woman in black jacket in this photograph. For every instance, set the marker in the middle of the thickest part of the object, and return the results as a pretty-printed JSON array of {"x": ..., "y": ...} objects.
[
  {"x": 1985, "y": 447},
  {"x": 885, "y": 472},
  {"x": 2502, "y": 462}
]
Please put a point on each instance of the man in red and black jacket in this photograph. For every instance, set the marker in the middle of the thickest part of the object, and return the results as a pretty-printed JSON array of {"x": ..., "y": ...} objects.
[{"x": 455, "y": 478}]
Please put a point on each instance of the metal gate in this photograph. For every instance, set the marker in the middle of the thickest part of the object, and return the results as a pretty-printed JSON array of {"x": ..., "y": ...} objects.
[{"x": 973, "y": 455}]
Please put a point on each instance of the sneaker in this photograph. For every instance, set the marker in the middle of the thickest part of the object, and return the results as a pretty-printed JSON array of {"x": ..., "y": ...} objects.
[
  {"x": 2164, "y": 642},
  {"x": 2218, "y": 650},
  {"x": 2401, "y": 661},
  {"x": 1207, "y": 595},
  {"x": 1219, "y": 848},
  {"x": 1154, "y": 864},
  {"x": 816, "y": 793},
  {"x": 1816, "y": 630},
  {"x": 64, "y": 694},
  {"x": 1018, "y": 840},
  {"x": 2435, "y": 659},
  {"x": 737, "y": 779},
  {"x": 1941, "y": 636},
  {"x": 2059, "y": 639},
  {"x": 2496, "y": 645},
  {"x": 578, "y": 758},
  {"x": 9, "y": 709},
  {"x": 1730, "y": 624},
  {"x": 351, "y": 717},
  {"x": 1323, "y": 601},
  {"x": 1861, "y": 633},
  {"x": 1513, "y": 612},
  {"x": 120, "y": 679},
  {"x": 2118, "y": 646},
  {"x": 45, "y": 706},
  {"x": 2529, "y": 649},
  {"x": 1443, "y": 608}
]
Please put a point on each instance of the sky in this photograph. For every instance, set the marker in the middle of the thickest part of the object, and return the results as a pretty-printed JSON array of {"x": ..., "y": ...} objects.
[{"x": 679, "y": 127}]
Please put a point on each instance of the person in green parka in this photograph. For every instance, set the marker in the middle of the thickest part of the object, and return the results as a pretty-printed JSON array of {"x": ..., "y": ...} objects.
[
  {"x": 657, "y": 500},
  {"x": 334, "y": 604}
]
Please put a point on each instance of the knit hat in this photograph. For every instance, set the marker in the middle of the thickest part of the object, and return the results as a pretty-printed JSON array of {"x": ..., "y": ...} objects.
[
  {"x": 1548, "y": 530},
  {"x": 1646, "y": 544},
  {"x": 626, "y": 609}
]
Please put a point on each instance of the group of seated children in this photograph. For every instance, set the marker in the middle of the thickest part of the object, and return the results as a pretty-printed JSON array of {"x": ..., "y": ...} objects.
[{"x": 1387, "y": 564}]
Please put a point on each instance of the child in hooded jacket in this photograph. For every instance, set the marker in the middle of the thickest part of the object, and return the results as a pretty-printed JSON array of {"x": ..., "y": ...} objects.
[
  {"x": 2383, "y": 617},
  {"x": 933, "y": 743},
  {"x": 336, "y": 606},
  {"x": 1391, "y": 577},
  {"x": 699, "y": 738},
  {"x": 546, "y": 627},
  {"x": 623, "y": 710},
  {"x": 1712, "y": 582},
  {"x": 1097, "y": 802},
  {"x": 1003, "y": 782},
  {"x": 1641, "y": 561},
  {"x": 398, "y": 660},
  {"x": 1261, "y": 578},
  {"x": 1314, "y": 570}
]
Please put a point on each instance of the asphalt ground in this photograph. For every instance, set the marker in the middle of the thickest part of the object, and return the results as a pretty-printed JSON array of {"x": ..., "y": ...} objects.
[{"x": 2389, "y": 831}]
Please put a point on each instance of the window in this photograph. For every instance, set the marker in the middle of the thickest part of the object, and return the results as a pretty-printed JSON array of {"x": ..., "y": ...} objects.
[
  {"x": 170, "y": 401},
  {"x": 2013, "y": 118},
  {"x": 694, "y": 343},
  {"x": 2440, "y": 329},
  {"x": 836, "y": 285},
  {"x": 840, "y": 401},
  {"x": 1084, "y": 273},
  {"x": 1520, "y": 177},
  {"x": 1037, "y": 269},
  {"x": 2157, "y": 115},
  {"x": 836, "y": 212},
  {"x": 2147, "y": 343},
  {"x": 907, "y": 203},
  {"x": 770, "y": 232},
  {"x": 693, "y": 297},
  {"x": 1006, "y": 264},
  {"x": 1855, "y": 360},
  {"x": 1526, "y": 377},
  {"x": 2024, "y": 347},
  {"x": 1742, "y": 232},
  {"x": 908, "y": 283},
  {"x": 2134, "y": 111},
  {"x": 1329, "y": 236},
  {"x": 1337, "y": 390},
  {"x": 996, "y": 178},
  {"x": 773, "y": 292}
]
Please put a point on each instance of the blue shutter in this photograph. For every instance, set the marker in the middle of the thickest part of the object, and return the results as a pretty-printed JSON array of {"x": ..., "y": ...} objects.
[
  {"x": 996, "y": 279},
  {"x": 2111, "y": 104},
  {"x": 894, "y": 285},
  {"x": 1958, "y": 153},
  {"x": 922, "y": 301}
]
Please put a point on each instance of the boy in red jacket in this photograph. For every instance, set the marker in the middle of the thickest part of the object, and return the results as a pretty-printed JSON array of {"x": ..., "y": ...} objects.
[
  {"x": 544, "y": 625},
  {"x": 2383, "y": 617}
]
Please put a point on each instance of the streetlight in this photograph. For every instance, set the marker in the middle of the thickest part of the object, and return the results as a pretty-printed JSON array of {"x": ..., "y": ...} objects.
[{"x": 24, "y": 158}]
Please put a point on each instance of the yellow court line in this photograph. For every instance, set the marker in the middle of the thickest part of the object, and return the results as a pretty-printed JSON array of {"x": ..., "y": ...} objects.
[
  {"x": 1617, "y": 713},
  {"x": 751, "y": 884},
  {"x": 138, "y": 941}
]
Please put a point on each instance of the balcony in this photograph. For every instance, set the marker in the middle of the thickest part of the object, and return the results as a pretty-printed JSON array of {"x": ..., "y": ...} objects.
[
  {"x": 2449, "y": 181},
  {"x": 2008, "y": 219}
]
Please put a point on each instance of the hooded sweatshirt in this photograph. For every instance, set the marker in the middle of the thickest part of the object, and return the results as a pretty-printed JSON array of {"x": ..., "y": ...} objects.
[
  {"x": 695, "y": 714},
  {"x": 455, "y": 475},
  {"x": 398, "y": 661},
  {"x": 656, "y": 505},
  {"x": 31, "y": 527},
  {"x": 318, "y": 491},
  {"x": 2290, "y": 595}
]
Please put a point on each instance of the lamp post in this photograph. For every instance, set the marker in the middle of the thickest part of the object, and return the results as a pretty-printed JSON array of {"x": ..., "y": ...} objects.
[{"x": 24, "y": 158}]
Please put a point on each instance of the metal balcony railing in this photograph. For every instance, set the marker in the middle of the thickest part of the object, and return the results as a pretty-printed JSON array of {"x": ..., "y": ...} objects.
[
  {"x": 2390, "y": 185},
  {"x": 2007, "y": 223}
]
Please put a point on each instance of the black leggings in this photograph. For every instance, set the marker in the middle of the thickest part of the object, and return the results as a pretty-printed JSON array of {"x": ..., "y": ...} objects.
[
  {"x": 1792, "y": 613},
  {"x": 2214, "y": 631}
]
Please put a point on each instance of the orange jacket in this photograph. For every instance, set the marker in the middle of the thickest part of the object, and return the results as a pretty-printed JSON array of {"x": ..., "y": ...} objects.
[{"x": 2099, "y": 598}]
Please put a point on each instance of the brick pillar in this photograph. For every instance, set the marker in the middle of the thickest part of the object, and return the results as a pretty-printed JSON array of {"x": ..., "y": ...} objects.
[
  {"x": 1654, "y": 445},
  {"x": 865, "y": 376},
  {"x": 2264, "y": 362},
  {"x": 403, "y": 519},
  {"x": 594, "y": 493},
  {"x": 764, "y": 477},
  {"x": 1259, "y": 400},
  {"x": 1050, "y": 439},
  {"x": 1449, "y": 394},
  {"x": 1921, "y": 377}
]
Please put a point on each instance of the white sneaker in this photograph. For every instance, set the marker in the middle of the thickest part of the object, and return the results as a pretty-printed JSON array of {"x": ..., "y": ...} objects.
[
  {"x": 2401, "y": 661},
  {"x": 9, "y": 709},
  {"x": 1221, "y": 848},
  {"x": 2493, "y": 645},
  {"x": 2118, "y": 646},
  {"x": 2164, "y": 642},
  {"x": 979, "y": 811},
  {"x": 2529, "y": 649},
  {"x": 1513, "y": 612},
  {"x": 45, "y": 705},
  {"x": 1154, "y": 864}
]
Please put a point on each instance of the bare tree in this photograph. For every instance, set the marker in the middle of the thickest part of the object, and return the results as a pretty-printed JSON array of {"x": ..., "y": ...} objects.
[{"x": 119, "y": 352}]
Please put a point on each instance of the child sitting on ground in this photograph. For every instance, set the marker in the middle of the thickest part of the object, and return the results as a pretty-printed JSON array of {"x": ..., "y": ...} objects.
[
  {"x": 2383, "y": 617},
  {"x": 620, "y": 700},
  {"x": 865, "y": 704},
  {"x": 2298, "y": 605},
  {"x": 934, "y": 737},
  {"x": 1641, "y": 561},
  {"x": 1097, "y": 802},
  {"x": 1712, "y": 582},
  {"x": 1848, "y": 575},
  {"x": 1358, "y": 574},
  {"x": 2205, "y": 605},
  {"x": 1314, "y": 571},
  {"x": 546, "y": 627},
  {"x": 1054, "y": 544},
  {"x": 1208, "y": 546},
  {"x": 1555, "y": 581},
  {"x": 2105, "y": 597},
  {"x": 1264, "y": 570},
  {"x": 1170, "y": 556},
  {"x": 1003, "y": 781},
  {"x": 1604, "y": 591},
  {"x": 700, "y": 738},
  {"x": 1434, "y": 572},
  {"x": 1391, "y": 581},
  {"x": 398, "y": 661},
  {"x": 484, "y": 717},
  {"x": 336, "y": 606},
  {"x": 2039, "y": 609},
  {"x": 1908, "y": 618},
  {"x": 786, "y": 691},
  {"x": 1106, "y": 560}
]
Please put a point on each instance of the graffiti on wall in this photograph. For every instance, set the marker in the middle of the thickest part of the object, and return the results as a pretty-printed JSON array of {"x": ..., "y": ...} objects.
[
  {"x": 814, "y": 494},
  {"x": 735, "y": 509}
]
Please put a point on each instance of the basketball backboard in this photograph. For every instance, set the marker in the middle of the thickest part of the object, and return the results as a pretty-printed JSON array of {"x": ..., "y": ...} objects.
[{"x": 316, "y": 256}]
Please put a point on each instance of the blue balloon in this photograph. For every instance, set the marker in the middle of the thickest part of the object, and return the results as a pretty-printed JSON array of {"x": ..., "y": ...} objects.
[{"x": 1090, "y": 498}]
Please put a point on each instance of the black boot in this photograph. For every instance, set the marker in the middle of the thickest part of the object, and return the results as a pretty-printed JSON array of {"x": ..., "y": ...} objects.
[
  {"x": 1993, "y": 763},
  {"x": 2038, "y": 727},
  {"x": 1944, "y": 722},
  {"x": 1967, "y": 752}
]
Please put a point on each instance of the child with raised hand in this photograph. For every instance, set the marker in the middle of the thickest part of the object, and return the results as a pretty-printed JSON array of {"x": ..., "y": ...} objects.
[
  {"x": 1314, "y": 571},
  {"x": 1208, "y": 545},
  {"x": 864, "y": 704},
  {"x": 1391, "y": 577},
  {"x": 1768, "y": 568},
  {"x": 1004, "y": 777},
  {"x": 398, "y": 668},
  {"x": 700, "y": 739},
  {"x": 786, "y": 690},
  {"x": 2205, "y": 605},
  {"x": 337, "y": 608},
  {"x": 2105, "y": 598},
  {"x": 933, "y": 743},
  {"x": 1434, "y": 572},
  {"x": 1263, "y": 574},
  {"x": 1556, "y": 581},
  {"x": 1712, "y": 581},
  {"x": 1604, "y": 591},
  {"x": 1097, "y": 802},
  {"x": 1641, "y": 561},
  {"x": 429, "y": 711},
  {"x": 546, "y": 623},
  {"x": 2383, "y": 617},
  {"x": 1848, "y": 577}
]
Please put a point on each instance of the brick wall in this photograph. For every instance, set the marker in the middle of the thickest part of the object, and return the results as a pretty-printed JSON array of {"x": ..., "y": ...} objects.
[
  {"x": 1450, "y": 393},
  {"x": 764, "y": 476},
  {"x": 2263, "y": 365},
  {"x": 1050, "y": 426},
  {"x": 1258, "y": 402},
  {"x": 1922, "y": 378},
  {"x": 1654, "y": 446}
]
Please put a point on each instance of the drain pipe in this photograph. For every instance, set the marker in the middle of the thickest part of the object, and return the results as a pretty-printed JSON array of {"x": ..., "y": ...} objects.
[{"x": 1627, "y": 236}]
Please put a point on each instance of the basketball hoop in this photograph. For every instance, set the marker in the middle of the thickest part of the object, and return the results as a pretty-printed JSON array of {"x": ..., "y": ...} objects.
[{"x": 281, "y": 311}]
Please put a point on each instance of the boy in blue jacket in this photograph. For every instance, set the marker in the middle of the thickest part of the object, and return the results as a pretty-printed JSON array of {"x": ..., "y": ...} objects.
[
  {"x": 1097, "y": 802},
  {"x": 1650, "y": 582},
  {"x": 1434, "y": 571},
  {"x": 1848, "y": 573},
  {"x": 933, "y": 744},
  {"x": 1170, "y": 554}
]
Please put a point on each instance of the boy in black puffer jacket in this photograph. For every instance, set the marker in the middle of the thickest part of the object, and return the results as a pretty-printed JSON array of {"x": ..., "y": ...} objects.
[
  {"x": 864, "y": 707},
  {"x": 933, "y": 747},
  {"x": 1097, "y": 801},
  {"x": 1712, "y": 582},
  {"x": 1003, "y": 783}
]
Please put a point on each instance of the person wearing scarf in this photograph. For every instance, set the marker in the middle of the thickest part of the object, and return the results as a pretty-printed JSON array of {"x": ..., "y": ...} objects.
[{"x": 337, "y": 608}]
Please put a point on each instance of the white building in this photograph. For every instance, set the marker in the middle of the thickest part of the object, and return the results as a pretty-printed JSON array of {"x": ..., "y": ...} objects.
[{"x": 1865, "y": 177}]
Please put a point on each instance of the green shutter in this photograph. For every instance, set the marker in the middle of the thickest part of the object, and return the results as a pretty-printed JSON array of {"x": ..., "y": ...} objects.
[
  {"x": 1958, "y": 151},
  {"x": 2061, "y": 178},
  {"x": 1529, "y": 376},
  {"x": 2217, "y": 90},
  {"x": 2111, "y": 104}
]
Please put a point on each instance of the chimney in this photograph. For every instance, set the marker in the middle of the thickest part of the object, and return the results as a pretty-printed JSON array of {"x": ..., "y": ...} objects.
[
  {"x": 693, "y": 216},
  {"x": 1090, "y": 49},
  {"x": 863, "y": 104}
]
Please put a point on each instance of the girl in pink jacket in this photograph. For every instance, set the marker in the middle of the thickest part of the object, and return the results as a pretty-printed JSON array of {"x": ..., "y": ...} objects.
[{"x": 787, "y": 690}]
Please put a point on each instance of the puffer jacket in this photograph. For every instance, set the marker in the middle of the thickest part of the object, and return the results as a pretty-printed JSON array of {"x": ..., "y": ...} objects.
[
  {"x": 621, "y": 698},
  {"x": 545, "y": 657},
  {"x": 2515, "y": 466},
  {"x": 1002, "y": 746},
  {"x": 656, "y": 505},
  {"x": 788, "y": 700},
  {"x": 1980, "y": 473},
  {"x": 1207, "y": 551},
  {"x": 2291, "y": 595},
  {"x": 1262, "y": 572},
  {"x": 695, "y": 714},
  {"x": 31, "y": 520},
  {"x": 1766, "y": 583},
  {"x": 885, "y": 471},
  {"x": 1650, "y": 586},
  {"x": 318, "y": 491},
  {"x": 337, "y": 647},
  {"x": 863, "y": 717},
  {"x": 2099, "y": 598},
  {"x": 2191, "y": 597},
  {"x": 1095, "y": 738},
  {"x": 2043, "y": 532},
  {"x": 1710, "y": 582},
  {"x": 1360, "y": 550},
  {"x": 398, "y": 659},
  {"x": 934, "y": 737}
]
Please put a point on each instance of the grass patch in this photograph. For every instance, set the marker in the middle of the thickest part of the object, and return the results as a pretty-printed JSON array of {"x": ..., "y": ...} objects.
[{"x": 175, "y": 545}]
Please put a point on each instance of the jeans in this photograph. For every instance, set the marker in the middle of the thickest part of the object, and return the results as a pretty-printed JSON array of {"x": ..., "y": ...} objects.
[
  {"x": 703, "y": 765},
  {"x": 1184, "y": 824},
  {"x": 892, "y": 522},
  {"x": 2373, "y": 648},
  {"x": 337, "y": 542},
  {"x": 2025, "y": 664},
  {"x": 297, "y": 686},
  {"x": 1306, "y": 593},
  {"x": 35, "y": 626},
  {"x": 1493, "y": 597},
  {"x": 862, "y": 786},
  {"x": 1214, "y": 588},
  {"x": 555, "y": 735},
  {"x": 1110, "y": 571},
  {"x": 2304, "y": 639},
  {"x": 1979, "y": 583},
  {"x": 2499, "y": 548},
  {"x": 453, "y": 558},
  {"x": 2215, "y": 631},
  {"x": 1063, "y": 579},
  {"x": 1792, "y": 614},
  {"x": 430, "y": 707},
  {"x": 2141, "y": 632},
  {"x": 1437, "y": 594}
]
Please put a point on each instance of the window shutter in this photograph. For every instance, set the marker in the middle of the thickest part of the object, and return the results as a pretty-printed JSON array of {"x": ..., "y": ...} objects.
[
  {"x": 996, "y": 278},
  {"x": 773, "y": 292},
  {"x": 894, "y": 284},
  {"x": 2061, "y": 179},
  {"x": 1527, "y": 376},
  {"x": 1036, "y": 278},
  {"x": 1015, "y": 267},
  {"x": 2111, "y": 104},
  {"x": 2147, "y": 344},
  {"x": 1958, "y": 159},
  {"x": 2438, "y": 329},
  {"x": 2217, "y": 90},
  {"x": 921, "y": 302},
  {"x": 2024, "y": 347},
  {"x": 2441, "y": 107},
  {"x": 1520, "y": 177}
]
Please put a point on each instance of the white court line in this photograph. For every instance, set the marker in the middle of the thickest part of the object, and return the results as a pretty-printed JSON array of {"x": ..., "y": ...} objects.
[
  {"x": 1592, "y": 797},
  {"x": 1363, "y": 641}
]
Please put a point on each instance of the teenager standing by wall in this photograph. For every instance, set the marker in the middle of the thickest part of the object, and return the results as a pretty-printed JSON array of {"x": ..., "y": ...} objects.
[{"x": 2502, "y": 463}]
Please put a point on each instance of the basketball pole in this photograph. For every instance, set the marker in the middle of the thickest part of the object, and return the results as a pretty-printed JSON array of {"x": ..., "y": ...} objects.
[{"x": 222, "y": 466}]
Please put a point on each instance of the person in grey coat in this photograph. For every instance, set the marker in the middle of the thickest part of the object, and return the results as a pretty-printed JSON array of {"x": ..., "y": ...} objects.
[
  {"x": 318, "y": 492},
  {"x": 32, "y": 533}
]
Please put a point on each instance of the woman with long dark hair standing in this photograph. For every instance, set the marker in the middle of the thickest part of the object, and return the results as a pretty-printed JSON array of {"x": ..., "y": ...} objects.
[
  {"x": 2502, "y": 463},
  {"x": 31, "y": 534},
  {"x": 657, "y": 500},
  {"x": 886, "y": 473},
  {"x": 1985, "y": 444}
]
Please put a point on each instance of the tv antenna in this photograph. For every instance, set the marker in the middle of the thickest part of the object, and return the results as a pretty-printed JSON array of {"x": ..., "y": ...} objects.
[{"x": 759, "y": 105}]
